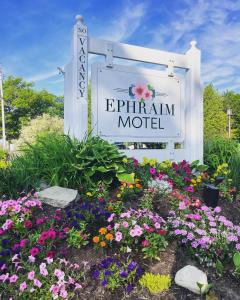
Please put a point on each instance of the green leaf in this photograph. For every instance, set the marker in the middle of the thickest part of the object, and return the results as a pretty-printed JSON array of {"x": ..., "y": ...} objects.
[
  {"x": 236, "y": 259},
  {"x": 125, "y": 177}
]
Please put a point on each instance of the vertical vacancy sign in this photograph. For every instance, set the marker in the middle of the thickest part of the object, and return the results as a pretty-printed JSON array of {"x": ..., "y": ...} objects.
[{"x": 82, "y": 62}]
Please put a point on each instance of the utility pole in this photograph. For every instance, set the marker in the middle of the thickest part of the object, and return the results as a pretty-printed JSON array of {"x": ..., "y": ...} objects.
[
  {"x": 3, "y": 113},
  {"x": 229, "y": 114}
]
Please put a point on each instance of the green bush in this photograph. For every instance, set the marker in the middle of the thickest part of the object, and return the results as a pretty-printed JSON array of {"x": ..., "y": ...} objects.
[
  {"x": 59, "y": 160},
  {"x": 235, "y": 170},
  {"x": 218, "y": 151}
]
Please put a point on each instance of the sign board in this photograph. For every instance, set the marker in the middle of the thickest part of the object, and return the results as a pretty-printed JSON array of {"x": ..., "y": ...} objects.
[{"x": 133, "y": 104}]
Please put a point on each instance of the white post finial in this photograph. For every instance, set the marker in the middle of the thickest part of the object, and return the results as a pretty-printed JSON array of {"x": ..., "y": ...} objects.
[
  {"x": 193, "y": 44},
  {"x": 79, "y": 18}
]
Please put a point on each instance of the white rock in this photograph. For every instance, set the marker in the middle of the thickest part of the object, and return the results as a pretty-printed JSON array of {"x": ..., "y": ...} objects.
[
  {"x": 189, "y": 276},
  {"x": 57, "y": 196}
]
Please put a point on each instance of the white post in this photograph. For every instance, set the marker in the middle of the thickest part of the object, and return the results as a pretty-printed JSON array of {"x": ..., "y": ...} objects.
[
  {"x": 76, "y": 79},
  {"x": 3, "y": 113},
  {"x": 194, "y": 106}
]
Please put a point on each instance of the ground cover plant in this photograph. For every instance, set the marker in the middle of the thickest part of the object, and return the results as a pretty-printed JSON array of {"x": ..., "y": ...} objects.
[{"x": 125, "y": 237}]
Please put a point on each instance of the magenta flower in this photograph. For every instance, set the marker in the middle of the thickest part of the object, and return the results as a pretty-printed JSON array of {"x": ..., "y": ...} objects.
[
  {"x": 23, "y": 243},
  {"x": 152, "y": 171},
  {"x": 37, "y": 283},
  {"x": 34, "y": 251},
  {"x": 145, "y": 243}
]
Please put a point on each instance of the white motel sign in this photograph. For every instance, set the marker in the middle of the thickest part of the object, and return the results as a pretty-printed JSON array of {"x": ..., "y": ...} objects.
[{"x": 132, "y": 104}]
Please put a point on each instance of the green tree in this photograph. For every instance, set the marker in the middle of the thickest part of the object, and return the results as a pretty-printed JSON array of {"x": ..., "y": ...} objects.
[
  {"x": 23, "y": 103},
  {"x": 232, "y": 100},
  {"x": 215, "y": 119}
]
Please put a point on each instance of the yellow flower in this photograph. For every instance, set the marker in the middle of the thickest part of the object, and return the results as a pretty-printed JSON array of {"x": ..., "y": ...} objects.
[
  {"x": 89, "y": 194},
  {"x": 130, "y": 186},
  {"x": 125, "y": 160},
  {"x": 137, "y": 180},
  {"x": 193, "y": 181},
  {"x": 198, "y": 180},
  {"x": 119, "y": 195}
]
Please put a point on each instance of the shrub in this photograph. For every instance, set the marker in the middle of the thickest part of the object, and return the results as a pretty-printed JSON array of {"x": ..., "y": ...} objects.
[
  {"x": 155, "y": 283},
  {"x": 37, "y": 127},
  {"x": 218, "y": 151},
  {"x": 234, "y": 166},
  {"x": 59, "y": 160}
]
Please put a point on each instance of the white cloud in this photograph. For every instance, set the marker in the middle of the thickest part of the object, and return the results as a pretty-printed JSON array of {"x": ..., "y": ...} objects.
[
  {"x": 42, "y": 76},
  {"x": 215, "y": 26},
  {"x": 126, "y": 24}
]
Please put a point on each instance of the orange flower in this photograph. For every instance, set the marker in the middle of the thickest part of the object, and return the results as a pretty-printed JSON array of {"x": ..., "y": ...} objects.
[
  {"x": 102, "y": 230},
  {"x": 138, "y": 185},
  {"x": 110, "y": 207},
  {"x": 103, "y": 244},
  {"x": 96, "y": 239},
  {"x": 109, "y": 237}
]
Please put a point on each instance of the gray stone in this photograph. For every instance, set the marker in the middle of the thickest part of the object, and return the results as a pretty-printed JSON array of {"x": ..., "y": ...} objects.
[
  {"x": 57, "y": 196},
  {"x": 189, "y": 276}
]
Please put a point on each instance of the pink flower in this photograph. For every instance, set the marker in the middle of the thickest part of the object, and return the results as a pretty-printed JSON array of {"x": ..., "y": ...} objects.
[
  {"x": 139, "y": 91},
  {"x": 116, "y": 226},
  {"x": 34, "y": 251},
  {"x": 157, "y": 225},
  {"x": 22, "y": 286},
  {"x": 238, "y": 246},
  {"x": 136, "y": 231},
  {"x": 118, "y": 236},
  {"x": 31, "y": 275},
  {"x": 125, "y": 224},
  {"x": 148, "y": 95},
  {"x": 77, "y": 286},
  {"x": 37, "y": 283},
  {"x": 13, "y": 278},
  {"x": 110, "y": 218},
  {"x": 52, "y": 234},
  {"x": 217, "y": 209},
  {"x": 54, "y": 289},
  {"x": 145, "y": 243},
  {"x": 40, "y": 221},
  {"x": 31, "y": 259},
  {"x": 63, "y": 293}
]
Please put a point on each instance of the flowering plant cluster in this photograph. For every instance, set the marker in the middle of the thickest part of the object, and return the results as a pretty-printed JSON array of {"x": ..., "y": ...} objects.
[
  {"x": 139, "y": 227},
  {"x": 129, "y": 189},
  {"x": 160, "y": 186},
  {"x": 104, "y": 238},
  {"x": 208, "y": 235},
  {"x": 49, "y": 279},
  {"x": 114, "y": 274},
  {"x": 182, "y": 200}
]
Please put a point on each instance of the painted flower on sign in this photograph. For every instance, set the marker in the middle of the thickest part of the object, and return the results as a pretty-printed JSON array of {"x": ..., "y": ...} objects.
[{"x": 141, "y": 92}]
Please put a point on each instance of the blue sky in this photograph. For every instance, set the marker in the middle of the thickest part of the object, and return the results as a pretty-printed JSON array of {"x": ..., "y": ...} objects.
[{"x": 35, "y": 35}]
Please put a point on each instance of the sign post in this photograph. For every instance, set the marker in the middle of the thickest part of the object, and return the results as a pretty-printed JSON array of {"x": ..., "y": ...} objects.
[{"x": 133, "y": 104}]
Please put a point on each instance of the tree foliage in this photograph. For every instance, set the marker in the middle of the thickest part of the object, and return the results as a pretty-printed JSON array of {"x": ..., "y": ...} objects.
[
  {"x": 23, "y": 103},
  {"x": 232, "y": 100},
  {"x": 215, "y": 119}
]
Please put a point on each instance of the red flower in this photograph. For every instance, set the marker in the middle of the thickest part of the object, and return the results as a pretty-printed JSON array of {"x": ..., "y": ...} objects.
[
  {"x": 41, "y": 241},
  {"x": 50, "y": 254},
  {"x": 66, "y": 229},
  {"x": 28, "y": 224},
  {"x": 162, "y": 232},
  {"x": 150, "y": 229}
]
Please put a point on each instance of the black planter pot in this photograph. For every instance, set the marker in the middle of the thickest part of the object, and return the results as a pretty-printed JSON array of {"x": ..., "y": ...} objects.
[{"x": 211, "y": 195}]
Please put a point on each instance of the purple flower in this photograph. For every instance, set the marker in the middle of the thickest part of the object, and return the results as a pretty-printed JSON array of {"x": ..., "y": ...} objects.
[
  {"x": 139, "y": 271},
  {"x": 104, "y": 282},
  {"x": 107, "y": 272},
  {"x": 190, "y": 236},
  {"x": 129, "y": 288},
  {"x": 95, "y": 274},
  {"x": 238, "y": 246},
  {"x": 232, "y": 238},
  {"x": 123, "y": 274},
  {"x": 132, "y": 266},
  {"x": 217, "y": 209},
  {"x": 212, "y": 224}
]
